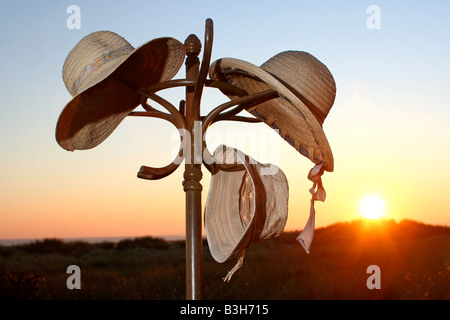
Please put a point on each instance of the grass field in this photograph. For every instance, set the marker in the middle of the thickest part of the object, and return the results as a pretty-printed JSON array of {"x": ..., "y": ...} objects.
[{"x": 414, "y": 260}]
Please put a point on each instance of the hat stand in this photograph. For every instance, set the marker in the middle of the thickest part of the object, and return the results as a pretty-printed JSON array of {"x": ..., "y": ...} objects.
[{"x": 193, "y": 150}]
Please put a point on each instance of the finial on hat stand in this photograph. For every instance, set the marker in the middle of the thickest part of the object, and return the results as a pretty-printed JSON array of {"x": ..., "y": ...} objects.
[{"x": 193, "y": 46}]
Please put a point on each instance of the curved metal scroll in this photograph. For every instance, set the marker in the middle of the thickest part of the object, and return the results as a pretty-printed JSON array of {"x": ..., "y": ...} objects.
[{"x": 175, "y": 117}]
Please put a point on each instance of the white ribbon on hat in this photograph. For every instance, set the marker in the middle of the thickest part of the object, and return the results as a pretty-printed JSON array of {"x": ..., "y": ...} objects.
[{"x": 306, "y": 236}]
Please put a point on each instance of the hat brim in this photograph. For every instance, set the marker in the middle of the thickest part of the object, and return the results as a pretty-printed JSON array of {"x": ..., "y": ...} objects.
[
  {"x": 225, "y": 229},
  {"x": 244, "y": 206},
  {"x": 94, "y": 113},
  {"x": 288, "y": 114}
]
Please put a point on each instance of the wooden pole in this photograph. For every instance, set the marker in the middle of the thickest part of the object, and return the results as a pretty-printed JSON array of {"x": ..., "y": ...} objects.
[{"x": 192, "y": 177}]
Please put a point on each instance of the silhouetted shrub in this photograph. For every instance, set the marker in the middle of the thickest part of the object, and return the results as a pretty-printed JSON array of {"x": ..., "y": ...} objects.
[
  {"x": 178, "y": 243},
  {"x": 286, "y": 237},
  {"x": 47, "y": 246},
  {"x": 143, "y": 242},
  {"x": 78, "y": 248},
  {"x": 43, "y": 246},
  {"x": 16, "y": 285},
  {"x": 6, "y": 252},
  {"x": 105, "y": 245}
]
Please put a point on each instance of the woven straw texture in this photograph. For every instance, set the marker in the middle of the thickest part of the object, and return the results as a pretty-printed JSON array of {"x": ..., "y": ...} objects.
[
  {"x": 111, "y": 71},
  {"x": 245, "y": 206},
  {"x": 307, "y": 91}
]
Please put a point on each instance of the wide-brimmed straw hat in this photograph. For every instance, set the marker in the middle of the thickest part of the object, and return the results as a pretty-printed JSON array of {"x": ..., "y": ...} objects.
[
  {"x": 307, "y": 91},
  {"x": 102, "y": 73},
  {"x": 247, "y": 203}
]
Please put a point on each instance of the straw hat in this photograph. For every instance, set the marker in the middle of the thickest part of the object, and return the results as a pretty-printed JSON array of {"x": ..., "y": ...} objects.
[
  {"x": 102, "y": 73},
  {"x": 307, "y": 91},
  {"x": 247, "y": 203}
]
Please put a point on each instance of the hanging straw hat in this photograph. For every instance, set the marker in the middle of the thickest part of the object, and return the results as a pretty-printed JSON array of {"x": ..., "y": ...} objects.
[
  {"x": 307, "y": 91},
  {"x": 102, "y": 73},
  {"x": 247, "y": 203}
]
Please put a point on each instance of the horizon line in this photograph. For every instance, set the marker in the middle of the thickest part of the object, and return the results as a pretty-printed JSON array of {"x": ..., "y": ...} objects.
[{"x": 172, "y": 237}]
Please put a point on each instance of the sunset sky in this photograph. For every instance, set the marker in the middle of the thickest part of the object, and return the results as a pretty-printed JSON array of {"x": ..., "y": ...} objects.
[{"x": 388, "y": 129}]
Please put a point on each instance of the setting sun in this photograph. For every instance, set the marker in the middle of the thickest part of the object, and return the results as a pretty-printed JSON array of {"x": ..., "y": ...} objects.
[{"x": 372, "y": 207}]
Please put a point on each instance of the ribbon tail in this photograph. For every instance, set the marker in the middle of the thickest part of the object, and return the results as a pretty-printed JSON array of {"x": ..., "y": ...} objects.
[
  {"x": 235, "y": 268},
  {"x": 306, "y": 236}
]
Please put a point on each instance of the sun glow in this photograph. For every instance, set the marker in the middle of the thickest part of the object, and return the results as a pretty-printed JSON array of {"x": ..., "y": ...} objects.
[{"x": 372, "y": 207}]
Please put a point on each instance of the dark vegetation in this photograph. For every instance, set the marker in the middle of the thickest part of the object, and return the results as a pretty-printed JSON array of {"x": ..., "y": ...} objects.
[{"x": 414, "y": 260}]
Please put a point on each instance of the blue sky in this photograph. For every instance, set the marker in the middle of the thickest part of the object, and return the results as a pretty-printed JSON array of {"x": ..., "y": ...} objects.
[{"x": 391, "y": 111}]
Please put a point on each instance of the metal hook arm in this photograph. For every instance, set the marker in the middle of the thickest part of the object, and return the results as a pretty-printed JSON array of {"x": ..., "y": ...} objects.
[
  {"x": 154, "y": 114},
  {"x": 179, "y": 119},
  {"x": 203, "y": 73},
  {"x": 256, "y": 98},
  {"x": 175, "y": 117}
]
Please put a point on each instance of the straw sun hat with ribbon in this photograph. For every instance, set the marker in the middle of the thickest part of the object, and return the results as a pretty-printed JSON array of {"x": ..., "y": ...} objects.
[
  {"x": 247, "y": 203},
  {"x": 102, "y": 73},
  {"x": 306, "y": 92}
]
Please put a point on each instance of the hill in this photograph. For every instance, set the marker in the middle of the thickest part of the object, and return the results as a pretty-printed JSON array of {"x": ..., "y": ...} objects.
[
  {"x": 376, "y": 230},
  {"x": 414, "y": 262}
]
